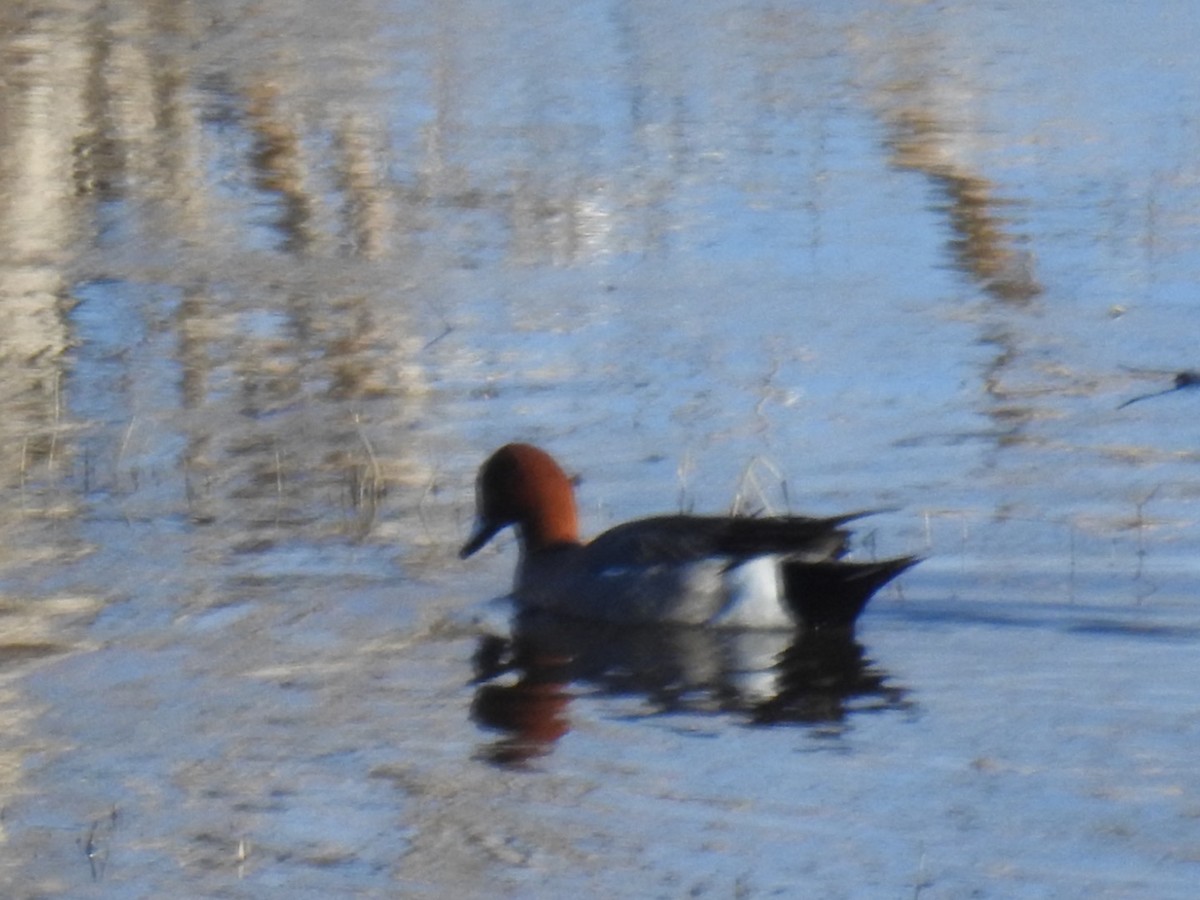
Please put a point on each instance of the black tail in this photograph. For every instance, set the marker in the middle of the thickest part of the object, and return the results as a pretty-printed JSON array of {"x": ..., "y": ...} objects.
[{"x": 832, "y": 594}]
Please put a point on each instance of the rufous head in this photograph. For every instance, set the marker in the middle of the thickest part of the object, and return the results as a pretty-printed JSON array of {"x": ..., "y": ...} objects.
[{"x": 523, "y": 486}]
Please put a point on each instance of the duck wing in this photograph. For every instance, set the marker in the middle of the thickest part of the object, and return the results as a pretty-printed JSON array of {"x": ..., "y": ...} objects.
[{"x": 675, "y": 540}]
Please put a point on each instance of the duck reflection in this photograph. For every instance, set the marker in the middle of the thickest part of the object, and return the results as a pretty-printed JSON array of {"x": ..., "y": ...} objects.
[{"x": 526, "y": 682}]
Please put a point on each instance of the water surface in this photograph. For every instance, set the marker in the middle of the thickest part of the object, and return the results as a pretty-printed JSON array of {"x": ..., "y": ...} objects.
[{"x": 276, "y": 277}]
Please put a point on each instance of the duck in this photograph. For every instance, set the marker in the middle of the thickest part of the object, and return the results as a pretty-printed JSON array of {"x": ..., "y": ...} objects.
[{"x": 732, "y": 571}]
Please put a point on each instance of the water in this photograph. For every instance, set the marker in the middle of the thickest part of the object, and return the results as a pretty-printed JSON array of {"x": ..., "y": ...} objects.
[{"x": 275, "y": 278}]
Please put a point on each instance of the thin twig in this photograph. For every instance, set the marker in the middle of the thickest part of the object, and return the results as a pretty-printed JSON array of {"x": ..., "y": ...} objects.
[
  {"x": 445, "y": 332},
  {"x": 372, "y": 458}
]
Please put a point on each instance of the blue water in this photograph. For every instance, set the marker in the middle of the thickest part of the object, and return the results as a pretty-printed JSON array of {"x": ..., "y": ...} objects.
[{"x": 275, "y": 279}]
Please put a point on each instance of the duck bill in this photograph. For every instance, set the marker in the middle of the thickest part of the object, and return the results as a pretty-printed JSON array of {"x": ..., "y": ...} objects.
[{"x": 484, "y": 532}]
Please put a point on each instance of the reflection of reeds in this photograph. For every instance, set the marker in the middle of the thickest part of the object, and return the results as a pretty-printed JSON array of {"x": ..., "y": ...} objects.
[
  {"x": 362, "y": 174},
  {"x": 983, "y": 244},
  {"x": 279, "y": 166}
]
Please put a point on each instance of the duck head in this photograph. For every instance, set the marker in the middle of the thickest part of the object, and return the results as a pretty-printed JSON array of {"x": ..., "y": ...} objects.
[{"x": 523, "y": 486}]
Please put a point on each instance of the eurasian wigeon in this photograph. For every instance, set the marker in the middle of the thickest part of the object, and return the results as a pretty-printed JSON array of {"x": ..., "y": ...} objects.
[{"x": 728, "y": 571}]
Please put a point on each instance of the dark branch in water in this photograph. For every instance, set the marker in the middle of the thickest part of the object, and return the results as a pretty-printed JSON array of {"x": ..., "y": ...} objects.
[{"x": 1185, "y": 379}]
